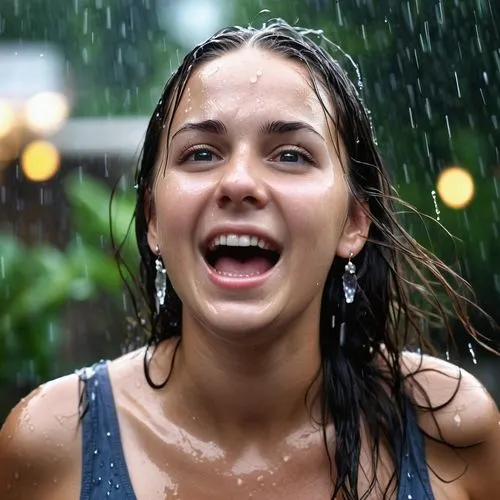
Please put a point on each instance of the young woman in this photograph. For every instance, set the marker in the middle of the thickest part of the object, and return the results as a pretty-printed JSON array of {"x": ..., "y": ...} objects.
[{"x": 279, "y": 286}]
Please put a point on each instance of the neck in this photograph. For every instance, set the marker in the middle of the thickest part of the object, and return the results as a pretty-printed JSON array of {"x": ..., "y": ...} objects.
[{"x": 252, "y": 391}]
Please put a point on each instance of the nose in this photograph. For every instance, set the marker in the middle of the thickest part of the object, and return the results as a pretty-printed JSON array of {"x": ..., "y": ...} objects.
[{"x": 241, "y": 184}]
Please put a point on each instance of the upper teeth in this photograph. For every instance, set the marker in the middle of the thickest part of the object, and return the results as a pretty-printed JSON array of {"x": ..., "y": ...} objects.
[{"x": 239, "y": 240}]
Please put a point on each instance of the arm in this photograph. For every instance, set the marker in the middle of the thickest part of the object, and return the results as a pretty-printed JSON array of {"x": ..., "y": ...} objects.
[
  {"x": 467, "y": 420},
  {"x": 483, "y": 475},
  {"x": 40, "y": 445}
]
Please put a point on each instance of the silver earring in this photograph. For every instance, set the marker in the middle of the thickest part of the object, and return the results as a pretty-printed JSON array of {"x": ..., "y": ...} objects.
[
  {"x": 349, "y": 284},
  {"x": 160, "y": 281},
  {"x": 349, "y": 281}
]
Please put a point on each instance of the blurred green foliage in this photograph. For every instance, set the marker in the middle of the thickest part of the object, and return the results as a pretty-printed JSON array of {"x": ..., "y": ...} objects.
[{"x": 37, "y": 283}]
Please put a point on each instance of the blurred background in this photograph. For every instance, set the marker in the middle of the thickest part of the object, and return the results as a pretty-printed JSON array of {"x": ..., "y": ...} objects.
[{"x": 78, "y": 79}]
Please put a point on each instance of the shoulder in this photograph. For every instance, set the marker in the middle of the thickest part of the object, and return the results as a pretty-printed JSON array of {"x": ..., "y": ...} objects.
[
  {"x": 454, "y": 408},
  {"x": 453, "y": 403},
  {"x": 40, "y": 443}
]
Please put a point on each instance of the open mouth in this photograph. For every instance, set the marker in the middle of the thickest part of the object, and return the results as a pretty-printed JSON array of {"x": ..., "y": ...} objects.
[{"x": 241, "y": 256}]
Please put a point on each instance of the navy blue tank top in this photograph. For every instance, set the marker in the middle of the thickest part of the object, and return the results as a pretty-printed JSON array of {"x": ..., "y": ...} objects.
[{"x": 105, "y": 474}]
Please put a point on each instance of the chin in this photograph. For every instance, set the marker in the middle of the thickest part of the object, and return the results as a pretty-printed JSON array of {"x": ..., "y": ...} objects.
[{"x": 240, "y": 322}]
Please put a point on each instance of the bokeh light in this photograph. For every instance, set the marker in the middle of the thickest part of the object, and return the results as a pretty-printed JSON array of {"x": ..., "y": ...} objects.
[
  {"x": 40, "y": 161},
  {"x": 455, "y": 187},
  {"x": 7, "y": 118},
  {"x": 46, "y": 112}
]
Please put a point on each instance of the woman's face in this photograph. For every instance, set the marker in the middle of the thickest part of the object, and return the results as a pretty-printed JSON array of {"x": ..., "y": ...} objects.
[{"x": 251, "y": 163}]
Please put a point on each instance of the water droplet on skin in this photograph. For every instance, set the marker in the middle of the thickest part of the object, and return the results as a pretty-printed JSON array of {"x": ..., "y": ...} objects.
[
  {"x": 260, "y": 478},
  {"x": 16, "y": 475},
  {"x": 239, "y": 482},
  {"x": 286, "y": 458},
  {"x": 253, "y": 79},
  {"x": 457, "y": 419}
]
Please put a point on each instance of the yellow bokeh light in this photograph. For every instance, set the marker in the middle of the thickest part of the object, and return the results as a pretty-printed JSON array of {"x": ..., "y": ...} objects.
[
  {"x": 455, "y": 186},
  {"x": 46, "y": 112},
  {"x": 7, "y": 118},
  {"x": 40, "y": 161}
]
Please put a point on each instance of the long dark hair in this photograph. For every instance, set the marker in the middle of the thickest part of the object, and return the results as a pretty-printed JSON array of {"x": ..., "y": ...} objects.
[{"x": 391, "y": 268}]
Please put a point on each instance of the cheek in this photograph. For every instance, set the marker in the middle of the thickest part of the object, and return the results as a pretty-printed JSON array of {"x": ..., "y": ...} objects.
[
  {"x": 175, "y": 212},
  {"x": 317, "y": 212}
]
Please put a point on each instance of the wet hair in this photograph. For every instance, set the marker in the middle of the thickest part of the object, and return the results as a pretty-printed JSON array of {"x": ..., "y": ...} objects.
[{"x": 397, "y": 301}]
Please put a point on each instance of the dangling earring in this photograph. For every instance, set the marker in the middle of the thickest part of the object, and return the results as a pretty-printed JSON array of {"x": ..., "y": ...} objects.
[
  {"x": 349, "y": 284},
  {"x": 160, "y": 281},
  {"x": 349, "y": 281}
]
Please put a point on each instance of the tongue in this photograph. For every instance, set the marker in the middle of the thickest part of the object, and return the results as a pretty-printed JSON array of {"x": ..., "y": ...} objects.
[{"x": 242, "y": 269}]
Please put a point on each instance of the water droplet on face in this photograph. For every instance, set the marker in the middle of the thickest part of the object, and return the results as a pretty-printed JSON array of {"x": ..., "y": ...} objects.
[
  {"x": 239, "y": 482},
  {"x": 260, "y": 478},
  {"x": 286, "y": 458},
  {"x": 253, "y": 79},
  {"x": 457, "y": 419}
]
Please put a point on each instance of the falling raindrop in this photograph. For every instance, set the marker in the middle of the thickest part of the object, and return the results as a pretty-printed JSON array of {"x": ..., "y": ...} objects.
[
  {"x": 472, "y": 353},
  {"x": 436, "y": 207}
]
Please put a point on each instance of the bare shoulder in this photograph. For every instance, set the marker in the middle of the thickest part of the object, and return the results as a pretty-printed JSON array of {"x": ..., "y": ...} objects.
[
  {"x": 464, "y": 410},
  {"x": 40, "y": 444},
  {"x": 456, "y": 410}
]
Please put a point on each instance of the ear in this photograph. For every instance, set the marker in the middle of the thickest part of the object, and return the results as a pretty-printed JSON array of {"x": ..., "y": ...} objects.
[
  {"x": 355, "y": 230},
  {"x": 150, "y": 216}
]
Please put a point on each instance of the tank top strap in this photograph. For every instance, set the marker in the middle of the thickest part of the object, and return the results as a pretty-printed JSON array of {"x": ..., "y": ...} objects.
[
  {"x": 104, "y": 470},
  {"x": 414, "y": 474}
]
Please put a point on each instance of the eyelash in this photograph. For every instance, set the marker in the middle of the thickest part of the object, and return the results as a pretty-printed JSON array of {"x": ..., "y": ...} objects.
[
  {"x": 190, "y": 149},
  {"x": 299, "y": 150}
]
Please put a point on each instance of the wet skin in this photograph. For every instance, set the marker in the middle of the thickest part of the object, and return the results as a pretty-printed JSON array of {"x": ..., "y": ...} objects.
[{"x": 232, "y": 422}]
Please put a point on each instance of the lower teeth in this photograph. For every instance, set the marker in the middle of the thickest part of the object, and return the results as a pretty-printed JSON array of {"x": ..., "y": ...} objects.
[{"x": 236, "y": 275}]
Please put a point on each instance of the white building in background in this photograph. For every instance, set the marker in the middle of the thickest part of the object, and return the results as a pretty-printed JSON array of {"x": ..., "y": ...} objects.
[{"x": 120, "y": 137}]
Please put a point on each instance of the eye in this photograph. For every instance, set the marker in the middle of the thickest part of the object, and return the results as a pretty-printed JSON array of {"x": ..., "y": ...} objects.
[
  {"x": 294, "y": 155},
  {"x": 198, "y": 154},
  {"x": 201, "y": 155}
]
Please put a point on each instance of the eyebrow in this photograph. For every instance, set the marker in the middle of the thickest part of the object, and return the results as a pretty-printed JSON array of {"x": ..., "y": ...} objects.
[
  {"x": 211, "y": 126},
  {"x": 272, "y": 127},
  {"x": 284, "y": 127}
]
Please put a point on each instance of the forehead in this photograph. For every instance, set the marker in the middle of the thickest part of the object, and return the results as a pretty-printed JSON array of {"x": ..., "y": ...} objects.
[{"x": 248, "y": 84}]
